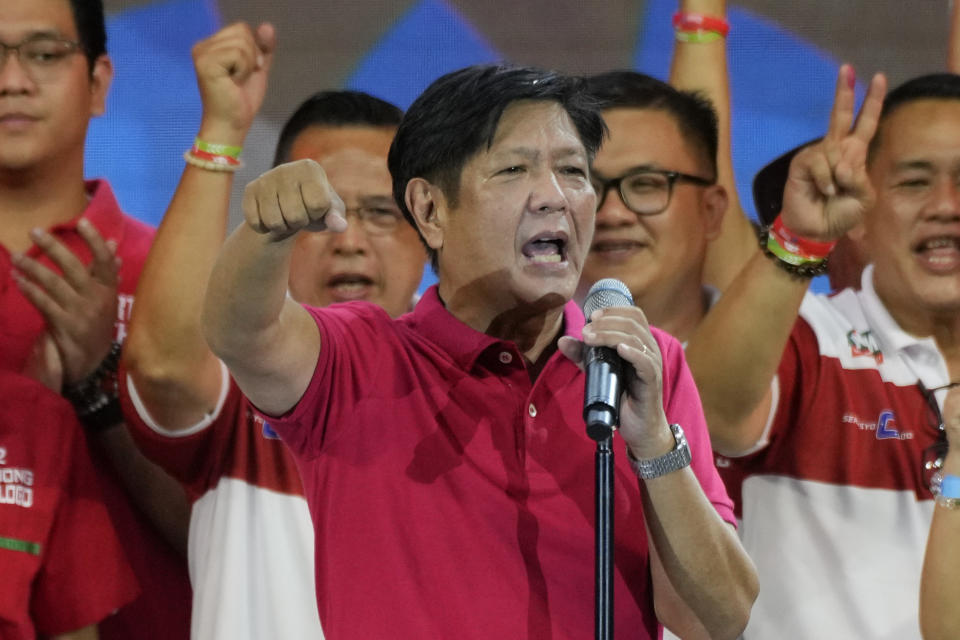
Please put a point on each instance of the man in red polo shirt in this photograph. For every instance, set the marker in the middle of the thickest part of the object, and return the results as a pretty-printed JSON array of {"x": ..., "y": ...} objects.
[
  {"x": 60, "y": 233},
  {"x": 443, "y": 453}
]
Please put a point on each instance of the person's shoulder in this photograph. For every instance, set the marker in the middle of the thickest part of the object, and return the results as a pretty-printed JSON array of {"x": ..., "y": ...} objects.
[
  {"x": 670, "y": 347},
  {"x": 832, "y": 316}
]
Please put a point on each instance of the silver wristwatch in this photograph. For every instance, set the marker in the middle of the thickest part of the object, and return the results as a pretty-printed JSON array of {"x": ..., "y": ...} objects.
[{"x": 676, "y": 458}]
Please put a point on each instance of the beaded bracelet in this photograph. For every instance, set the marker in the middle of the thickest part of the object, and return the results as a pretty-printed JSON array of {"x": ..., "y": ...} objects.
[
  {"x": 798, "y": 266},
  {"x": 95, "y": 399}
]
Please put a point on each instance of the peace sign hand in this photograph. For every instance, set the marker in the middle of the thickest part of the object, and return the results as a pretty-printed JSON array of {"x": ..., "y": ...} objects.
[{"x": 828, "y": 190}]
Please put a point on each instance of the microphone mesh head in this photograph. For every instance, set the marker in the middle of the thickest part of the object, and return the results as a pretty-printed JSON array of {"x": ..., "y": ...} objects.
[{"x": 608, "y": 292}]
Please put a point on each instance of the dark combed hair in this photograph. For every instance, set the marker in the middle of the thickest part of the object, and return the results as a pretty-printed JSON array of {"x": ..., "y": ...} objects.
[
  {"x": 335, "y": 109},
  {"x": 91, "y": 28},
  {"x": 934, "y": 86},
  {"x": 692, "y": 111},
  {"x": 457, "y": 116}
]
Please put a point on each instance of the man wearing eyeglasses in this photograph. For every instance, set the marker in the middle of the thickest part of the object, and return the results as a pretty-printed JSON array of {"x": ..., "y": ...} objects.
[
  {"x": 251, "y": 544},
  {"x": 659, "y": 203},
  {"x": 69, "y": 260}
]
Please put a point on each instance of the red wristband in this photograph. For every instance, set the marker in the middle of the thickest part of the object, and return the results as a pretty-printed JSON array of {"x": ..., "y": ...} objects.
[
  {"x": 687, "y": 21},
  {"x": 214, "y": 157},
  {"x": 799, "y": 245}
]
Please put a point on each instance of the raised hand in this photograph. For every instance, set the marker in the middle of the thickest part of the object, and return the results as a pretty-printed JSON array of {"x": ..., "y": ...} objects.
[
  {"x": 232, "y": 68},
  {"x": 828, "y": 190},
  {"x": 291, "y": 197},
  {"x": 80, "y": 304}
]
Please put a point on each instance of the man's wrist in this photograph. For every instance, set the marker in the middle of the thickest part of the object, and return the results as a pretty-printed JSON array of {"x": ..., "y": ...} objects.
[
  {"x": 656, "y": 444},
  {"x": 95, "y": 399},
  {"x": 678, "y": 457},
  {"x": 222, "y": 133}
]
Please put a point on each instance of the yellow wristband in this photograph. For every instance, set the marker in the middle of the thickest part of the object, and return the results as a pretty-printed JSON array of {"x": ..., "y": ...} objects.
[{"x": 697, "y": 37}]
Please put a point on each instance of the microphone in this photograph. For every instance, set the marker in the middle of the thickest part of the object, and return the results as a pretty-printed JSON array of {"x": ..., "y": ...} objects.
[{"x": 601, "y": 400}]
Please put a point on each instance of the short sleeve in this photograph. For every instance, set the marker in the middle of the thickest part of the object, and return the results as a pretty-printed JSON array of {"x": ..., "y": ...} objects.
[
  {"x": 681, "y": 403},
  {"x": 189, "y": 455},
  {"x": 358, "y": 344}
]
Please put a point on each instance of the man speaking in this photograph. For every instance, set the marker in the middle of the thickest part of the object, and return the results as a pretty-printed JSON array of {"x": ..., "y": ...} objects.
[{"x": 444, "y": 455}]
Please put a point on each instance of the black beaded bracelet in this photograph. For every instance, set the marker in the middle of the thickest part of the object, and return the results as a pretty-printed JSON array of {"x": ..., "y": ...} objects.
[
  {"x": 96, "y": 398},
  {"x": 805, "y": 271}
]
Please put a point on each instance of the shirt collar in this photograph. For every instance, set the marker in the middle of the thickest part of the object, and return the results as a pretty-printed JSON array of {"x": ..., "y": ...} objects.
[
  {"x": 888, "y": 333},
  {"x": 464, "y": 344},
  {"x": 102, "y": 210}
]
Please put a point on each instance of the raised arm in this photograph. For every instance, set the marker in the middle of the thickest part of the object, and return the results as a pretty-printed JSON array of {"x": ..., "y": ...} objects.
[
  {"x": 269, "y": 342},
  {"x": 702, "y": 66},
  {"x": 176, "y": 375},
  {"x": 953, "y": 47},
  {"x": 939, "y": 587},
  {"x": 735, "y": 352}
]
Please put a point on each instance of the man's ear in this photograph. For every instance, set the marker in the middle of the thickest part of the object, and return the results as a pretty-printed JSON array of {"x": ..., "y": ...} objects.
[
  {"x": 100, "y": 78},
  {"x": 713, "y": 206},
  {"x": 425, "y": 202}
]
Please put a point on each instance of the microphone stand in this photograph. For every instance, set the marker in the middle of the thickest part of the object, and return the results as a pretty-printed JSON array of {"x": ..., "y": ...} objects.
[{"x": 603, "y": 593}]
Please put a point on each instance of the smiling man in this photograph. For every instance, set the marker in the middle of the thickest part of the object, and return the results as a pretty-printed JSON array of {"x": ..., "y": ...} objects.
[
  {"x": 659, "y": 204},
  {"x": 443, "y": 453},
  {"x": 828, "y": 408}
]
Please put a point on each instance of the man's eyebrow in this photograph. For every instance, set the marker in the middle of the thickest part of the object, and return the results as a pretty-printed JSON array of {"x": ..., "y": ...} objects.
[
  {"x": 37, "y": 34},
  {"x": 629, "y": 170},
  {"x": 376, "y": 198},
  {"x": 533, "y": 154},
  {"x": 908, "y": 165}
]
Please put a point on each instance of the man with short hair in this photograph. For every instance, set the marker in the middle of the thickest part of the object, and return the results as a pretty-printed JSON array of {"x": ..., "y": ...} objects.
[
  {"x": 64, "y": 299},
  {"x": 828, "y": 408},
  {"x": 251, "y": 541},
  {"x": 443, "y": 453},
  {"x": 659, "y": 204}
]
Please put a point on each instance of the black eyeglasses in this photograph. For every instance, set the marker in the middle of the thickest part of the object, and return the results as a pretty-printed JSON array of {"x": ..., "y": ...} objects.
[
  {"x": 40, "y": 55},
  {"x": 646, "y": 192},
  {"x": 934, "y": 455}
]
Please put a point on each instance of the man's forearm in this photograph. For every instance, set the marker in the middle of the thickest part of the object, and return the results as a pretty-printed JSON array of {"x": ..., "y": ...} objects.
[
  {"x": 176, "y": 374},
  {"x": 703, "y": 67},
  {"x": 735, "y": 352},
  {"x": 939, "y": 586},
  {"x": 701, "y": 557},
  {"x": 246, "y": 292}
]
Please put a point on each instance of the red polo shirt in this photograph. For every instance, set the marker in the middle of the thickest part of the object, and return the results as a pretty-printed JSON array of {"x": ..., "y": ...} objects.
[
  {"x": 452, "y": 497},
  {"x": 62, "y": 566},
  {"x": 163, "y": 611}
]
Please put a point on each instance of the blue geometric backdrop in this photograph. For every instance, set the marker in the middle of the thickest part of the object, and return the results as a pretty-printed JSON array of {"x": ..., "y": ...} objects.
[{"x": 778, "y": 100}]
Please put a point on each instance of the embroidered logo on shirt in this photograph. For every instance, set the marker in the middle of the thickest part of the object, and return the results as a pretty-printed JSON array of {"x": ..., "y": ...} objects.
[
  {"x": 885, "y": 428},
  {"x": 16, "y": 486},
  {"x": 864, "y": 344},
  {"x": 265, "y": 427},
  {"x": 124, "y": 309}
]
